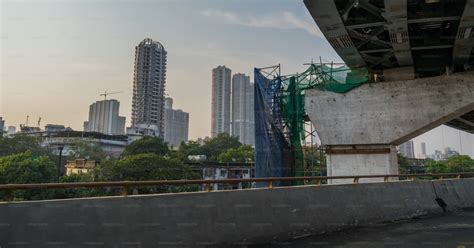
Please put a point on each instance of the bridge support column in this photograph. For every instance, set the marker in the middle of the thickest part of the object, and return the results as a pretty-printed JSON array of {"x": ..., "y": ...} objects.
[
  {"x": 383, "y": 115},
  {"x": 361, "y": 160}
]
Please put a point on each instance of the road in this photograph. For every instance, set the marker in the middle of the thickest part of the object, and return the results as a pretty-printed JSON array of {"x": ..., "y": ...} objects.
[{"x": 448, "y": 230}]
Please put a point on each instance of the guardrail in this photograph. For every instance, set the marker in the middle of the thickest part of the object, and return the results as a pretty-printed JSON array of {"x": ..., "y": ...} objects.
[{"x": 127, "y": 185}]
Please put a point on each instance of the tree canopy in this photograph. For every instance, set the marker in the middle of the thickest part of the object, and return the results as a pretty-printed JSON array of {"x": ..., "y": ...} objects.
[
  {"x": 21, "y": 143},
  {"x": 242, "y": 154},
  {"x": 147, "y": 166},
  {"x": 147, "y": 145}
]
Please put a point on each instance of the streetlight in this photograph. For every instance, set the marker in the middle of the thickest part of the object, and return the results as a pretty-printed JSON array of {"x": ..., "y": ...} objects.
[{"x": 59, "y": 161}]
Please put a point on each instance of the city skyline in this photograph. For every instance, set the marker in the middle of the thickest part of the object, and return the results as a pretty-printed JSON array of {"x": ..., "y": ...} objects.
[{"x": 88, "y": 48}]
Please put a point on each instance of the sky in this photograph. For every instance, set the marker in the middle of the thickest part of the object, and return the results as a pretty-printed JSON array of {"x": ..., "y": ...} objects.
[{"x": 57, "y": 57}]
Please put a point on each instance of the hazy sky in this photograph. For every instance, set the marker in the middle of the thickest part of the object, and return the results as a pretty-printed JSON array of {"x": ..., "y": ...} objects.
[{"x": 58, "y": 56}]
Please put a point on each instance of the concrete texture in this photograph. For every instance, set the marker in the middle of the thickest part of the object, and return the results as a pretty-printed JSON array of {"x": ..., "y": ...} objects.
[
  {"x": 385, "y": 114},
  {"x": 362, "y": 164},
  {"x": 389, "y": 112},
  {"x": 203, "y": 219},
  {"x": 455, "y": 193}
]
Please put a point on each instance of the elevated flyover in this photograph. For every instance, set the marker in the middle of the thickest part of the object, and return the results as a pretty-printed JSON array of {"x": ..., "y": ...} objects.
[
  {"x": 420, "y": 51},
  {"x": 401, "y": 39}
]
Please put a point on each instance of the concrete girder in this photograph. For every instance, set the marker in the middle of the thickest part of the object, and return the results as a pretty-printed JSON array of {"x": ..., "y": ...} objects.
[
  {"x": 326, "y": 15},
  {"x": 362, "y": 127},
  {"x": 389, "y": 112},
  {"x": 397, "y": 25},
  {"x": 464, "y": 38}
]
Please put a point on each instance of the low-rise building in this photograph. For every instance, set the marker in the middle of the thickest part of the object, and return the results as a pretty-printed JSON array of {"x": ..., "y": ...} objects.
[
  {"x": 112, "y": 145},
  {"x": 79, "y": 166},
  {"x": 214, "y": 170}
]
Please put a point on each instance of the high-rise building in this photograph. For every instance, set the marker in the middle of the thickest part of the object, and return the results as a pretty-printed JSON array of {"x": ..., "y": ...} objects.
[
  {"x": 221, "y": 100},
  {"x": 423, "y": 150},
  {"x": 149, "y": 88},
  {"x": 2, "y": 126},
  {"x": 407, "y": 149},
  {"x": 242, "y": 109},
  {"x": 251, "y": 111},
  {"x": 176, "y": 124},
  {"x": 104, "y": 118}
]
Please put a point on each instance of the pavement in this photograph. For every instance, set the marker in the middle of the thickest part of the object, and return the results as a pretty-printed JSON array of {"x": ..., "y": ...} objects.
[{"x": 455, "y": 229}]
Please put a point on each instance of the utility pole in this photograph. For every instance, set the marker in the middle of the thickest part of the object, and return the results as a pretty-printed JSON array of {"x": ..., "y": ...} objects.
[{"x": 59, "y": 161}]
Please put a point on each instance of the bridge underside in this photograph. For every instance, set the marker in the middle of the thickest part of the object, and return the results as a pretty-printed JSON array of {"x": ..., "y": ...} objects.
[{"x": 427, "y": 37}]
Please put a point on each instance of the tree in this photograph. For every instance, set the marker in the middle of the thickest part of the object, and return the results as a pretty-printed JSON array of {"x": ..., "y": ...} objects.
[
  {"x": 212, "y": 148},
  {"x": 147, "y": 144},
  {"x": 436, "y": 167},
  {"x": 21, "y": 143},
  {"x": 460, "y": 163},
  {"x": 88, "y": 150},
  {"x": 24, "y": 168},
  {"x": 147, "y": 166},
  {"x": 242, "y": 154},
  {"x": 403, "y": 165}
]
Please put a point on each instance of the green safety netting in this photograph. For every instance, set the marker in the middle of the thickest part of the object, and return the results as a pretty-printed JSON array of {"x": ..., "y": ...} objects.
[{"x": 319, "y": 76}]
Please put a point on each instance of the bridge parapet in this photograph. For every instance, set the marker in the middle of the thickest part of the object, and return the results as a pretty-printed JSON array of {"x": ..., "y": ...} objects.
[{"x": 225, "y": 217}]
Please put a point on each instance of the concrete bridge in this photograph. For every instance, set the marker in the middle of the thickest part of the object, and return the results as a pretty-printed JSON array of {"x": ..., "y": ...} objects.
[
  {"x": 235, "y": 217},
  {"x": 421, "y": 51}
]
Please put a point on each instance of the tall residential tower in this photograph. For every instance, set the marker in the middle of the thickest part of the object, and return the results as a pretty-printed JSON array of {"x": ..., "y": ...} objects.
[
  {"x": 221, "y": 100},
  {"x": 149, "y": 81},
  {"x": 242, "y": 109}
]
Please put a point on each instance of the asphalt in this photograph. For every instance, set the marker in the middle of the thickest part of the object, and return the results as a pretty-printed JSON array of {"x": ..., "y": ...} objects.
[{"x": 455, "y": 229}]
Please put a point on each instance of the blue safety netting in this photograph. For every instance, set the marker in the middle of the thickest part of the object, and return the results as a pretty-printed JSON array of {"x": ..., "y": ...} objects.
[{"x": 271, "y": 147}]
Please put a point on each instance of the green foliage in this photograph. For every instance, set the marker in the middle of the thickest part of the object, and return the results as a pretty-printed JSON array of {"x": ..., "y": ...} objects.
[
  {"x": 242, "y": 154},
  {"x": 460, "y": 163},
  {"x": 212, "y": 148},
  {"x": 87, "y": 150},
  {"x": 21, "y": 143},
  {"x": 436, "y": 167},
  {"x": 24, "y": 168},
  {"x": 78, "y": 192},
  {"x": 147, "y": 145},
  {"x": 403, "y": 165},
  {"x": 148, "y": 166},
  {"x": 221, "y": 143}
]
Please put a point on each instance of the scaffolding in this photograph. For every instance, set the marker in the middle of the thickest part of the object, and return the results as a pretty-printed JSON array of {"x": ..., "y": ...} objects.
[{"x": 284, "y": 134}]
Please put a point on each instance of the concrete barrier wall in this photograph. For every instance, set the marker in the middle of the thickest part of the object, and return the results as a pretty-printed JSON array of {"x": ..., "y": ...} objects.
[
  {"x": 201, "y": 219},
  {"x": 455, "y": 193}
]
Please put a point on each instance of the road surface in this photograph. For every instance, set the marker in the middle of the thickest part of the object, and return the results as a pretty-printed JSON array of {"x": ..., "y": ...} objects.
[{"x": 448, "y": 230}]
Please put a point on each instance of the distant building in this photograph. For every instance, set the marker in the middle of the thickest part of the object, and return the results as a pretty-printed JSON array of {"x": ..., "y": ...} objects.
[
  {"x": 407, "y": 149},
  {"x": 176, "y": 124},
  {"x": 11, "y": 130},
  {"x": 221, "y": 101},
  {"x": 79, "y": 166},
  {"x": 139, "y": 130},
  {"x": 423, "y": 150},
  {"x": 112, "y": 145},
  {"x": 149, "y": 88},
  {"x": 449, "y": 152},
  {"x": 104, "y": 118},
  {"x": 56, "y": 128},
  {"x": 437, "y": 156},
  {"x": 243, "y": 124},
  {"x": 2, "y": 126}
]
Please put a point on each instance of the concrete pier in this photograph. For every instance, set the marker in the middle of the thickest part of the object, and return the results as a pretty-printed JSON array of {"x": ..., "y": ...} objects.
[{"x": 363, "y": 126}]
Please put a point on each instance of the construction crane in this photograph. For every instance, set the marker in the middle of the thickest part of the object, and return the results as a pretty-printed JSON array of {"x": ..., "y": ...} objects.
[{"x": 111, "y": 93}]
